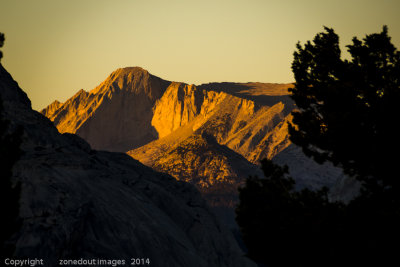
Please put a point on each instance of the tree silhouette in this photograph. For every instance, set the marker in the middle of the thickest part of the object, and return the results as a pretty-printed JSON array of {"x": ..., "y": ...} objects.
[
  {"x": 10, "y": 152},
  {"x": 347, "y": 107},
  {"x": 2, "y": 38},
  {"x": 346, "y": 112}
]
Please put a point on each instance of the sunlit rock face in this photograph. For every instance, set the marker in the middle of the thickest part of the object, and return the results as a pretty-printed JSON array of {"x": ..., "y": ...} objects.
[
  {"x": 200, "y": 160},
  {"x": 51, "y": 109},
  {"x": 255, "y": 131},
  {"x": 179, "y": 105},
  {"x": 78, "y": 202},
  {"x": 243, "y": 126}
]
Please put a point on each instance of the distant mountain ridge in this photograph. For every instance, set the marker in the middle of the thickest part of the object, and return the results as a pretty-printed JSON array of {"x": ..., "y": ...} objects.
[
  {"x": 135, "y": 87},
  {"x": 152, "y": 119}
]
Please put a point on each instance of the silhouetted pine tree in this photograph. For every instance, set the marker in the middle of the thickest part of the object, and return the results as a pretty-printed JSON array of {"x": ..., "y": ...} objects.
[
  {"x": 2, "y": 38},
  {"x": 346, "y": 114},
  {"x": 347, "y": 107}
]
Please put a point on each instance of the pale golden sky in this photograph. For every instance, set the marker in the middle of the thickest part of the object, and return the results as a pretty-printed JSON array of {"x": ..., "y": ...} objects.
[{"x": 53, "y": 48}]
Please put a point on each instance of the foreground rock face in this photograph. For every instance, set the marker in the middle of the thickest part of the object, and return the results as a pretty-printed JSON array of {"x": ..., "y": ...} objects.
[{"x": 77, "y": 202}]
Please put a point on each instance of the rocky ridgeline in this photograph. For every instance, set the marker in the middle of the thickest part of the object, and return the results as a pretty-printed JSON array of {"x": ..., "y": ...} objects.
[
  {"x": 152, "y": 119},
  {"x": 81, "y": 203}
]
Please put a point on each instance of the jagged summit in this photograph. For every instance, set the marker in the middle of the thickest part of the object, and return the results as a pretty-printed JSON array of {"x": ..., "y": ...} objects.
[
  {"x": 115, "y": 115},
  {"x": 134, "y": 69},
  {"x": 50, "y": 109},
  {"x": 133, "y": 79}
]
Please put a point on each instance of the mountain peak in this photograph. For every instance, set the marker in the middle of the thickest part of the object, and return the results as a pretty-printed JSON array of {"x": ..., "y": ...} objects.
[
  {"x": 50, "y": 109},
  {"x": 117, "y": 108},
  {"x": 126, "y": 71},
  {"x": 135, "y": 80}
]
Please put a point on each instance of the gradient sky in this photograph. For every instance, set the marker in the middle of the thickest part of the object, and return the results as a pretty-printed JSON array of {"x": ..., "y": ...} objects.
[{"x": 53, "y": 48}]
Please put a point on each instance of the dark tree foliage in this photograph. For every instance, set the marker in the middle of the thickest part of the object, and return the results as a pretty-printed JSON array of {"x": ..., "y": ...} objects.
[
  {"x": 282, "y": 227},
  {"x": 9, "y": 193},
  {"x": 347, "y": 112},
  {"x": 348, "y": 108},
  {"x": 2, "y": 38},
  {"x": 347, "y": 115}
]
